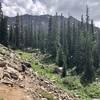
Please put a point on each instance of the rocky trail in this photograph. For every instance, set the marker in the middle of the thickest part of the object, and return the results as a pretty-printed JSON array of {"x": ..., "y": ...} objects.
[{"x": 19, "y": 82}]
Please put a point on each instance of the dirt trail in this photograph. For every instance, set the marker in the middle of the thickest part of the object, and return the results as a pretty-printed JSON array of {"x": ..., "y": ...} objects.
[{"x": 12, "y": 93}]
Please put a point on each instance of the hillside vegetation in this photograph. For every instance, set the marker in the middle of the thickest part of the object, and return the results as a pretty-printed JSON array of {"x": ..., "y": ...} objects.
[
  {"x": 18, "y": 81},
  {"x": 69, "y": 83}
]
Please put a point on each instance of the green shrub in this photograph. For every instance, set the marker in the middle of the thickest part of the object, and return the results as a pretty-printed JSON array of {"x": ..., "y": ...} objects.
[
  {"x": 93, "y": 90},
  {"x": 47, "y": 95},
  {"x": 72, "y": 82}
]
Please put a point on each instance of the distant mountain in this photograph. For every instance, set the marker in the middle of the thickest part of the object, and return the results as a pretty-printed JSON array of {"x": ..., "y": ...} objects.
[
  {"x": 41, "y": 20},
  {"x": 27, "y": 18}
]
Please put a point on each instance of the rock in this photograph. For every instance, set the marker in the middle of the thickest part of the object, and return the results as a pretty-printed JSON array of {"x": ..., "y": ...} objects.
[
  {"x": 21, "y": 85},
  {"x": 27, "y": 64},
  {"x": 44, "y": 99},
  {"x": 6, "y": 75},
  {"x": 14, "y": 76},
  {"x": 20, "y": 77},
  {"x": 58, "y": 70},
  {"x": 7, "y": 81},
  {"x": 23, "y": 67},
  {"x": 40, "y": 79},
  {"x": 1, "y": 59},
  {"x": 1, "y": 73},
  {"x": 3, "y": 64}
]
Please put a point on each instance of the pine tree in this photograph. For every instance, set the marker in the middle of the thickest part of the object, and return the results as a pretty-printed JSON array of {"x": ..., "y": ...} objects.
[
  {"x": 89, "y": 74},
  {"x": 4, "y": 31},
  {"x": 62, "y": 31},
  {"x": 17, "y": 32},
  {"x": 92, "y": 30},
  {"x": 77, "y": 49},
  {"x": 30, "y": 30},
  {"x": 87, "y": 19},
  {"x": 3, "y": 28},
  {"x": 22, "y": 33},
  {"x": 69, "y": 41},
  {"x": 82, "y": 23},
  {"x": 52, "y": 37},
  {"x": 35, "y": 35},
  {"x": 49, "y": 37},
  {"x": 64, "y": 66},
  {"x": 59, "y": 57},
  {"x": 98, "y": 48},
  {"x": 11, "y": 35}
]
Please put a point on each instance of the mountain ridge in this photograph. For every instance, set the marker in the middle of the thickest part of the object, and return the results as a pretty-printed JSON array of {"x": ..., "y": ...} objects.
[{"x": 43, "y": 19}]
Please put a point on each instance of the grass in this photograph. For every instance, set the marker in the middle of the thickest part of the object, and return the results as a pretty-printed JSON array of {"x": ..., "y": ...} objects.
[
  {"x": 1, "y": 98},
  {"x": 69, "y": 83},
  {"x": 47, "y": 95}
]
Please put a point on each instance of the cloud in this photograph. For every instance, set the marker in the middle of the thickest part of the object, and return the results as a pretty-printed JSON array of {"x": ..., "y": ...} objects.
[
  {"x": 12, "y": 7},
  {"x": 75, "y": 7}
]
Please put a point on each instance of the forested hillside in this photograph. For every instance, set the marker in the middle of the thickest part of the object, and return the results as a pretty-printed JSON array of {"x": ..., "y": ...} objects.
[
  {"x": 70, "y": 42},
  {"x": 73, "y": 45}
]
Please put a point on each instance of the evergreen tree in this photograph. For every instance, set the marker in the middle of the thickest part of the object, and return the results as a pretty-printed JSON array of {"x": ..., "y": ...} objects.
[
  {"x": 64, "y": 66},
  {"x": 59, "y": 57},
  {"x": 98, "y": 48},
  {"x": 22, "y": 33},
  {"x": 92, "y": 30},
  {"x": 4, "y": 31},
  {"x": 77, "y": 50},
  {"x": 17, "y": 32},
  {"x": 3, "y": 28},
  {"x": 87, "y": 19},
  {"x": 62, "y": 31},
  {"x": 89, "y": 74},
  {"x": 30, "y": 32},
  {"x": 52, "y": 37},
  {"x": 11, "y": 35},
  {"x": 82, "y": 24},
  {"x": 69, "y": 41}
]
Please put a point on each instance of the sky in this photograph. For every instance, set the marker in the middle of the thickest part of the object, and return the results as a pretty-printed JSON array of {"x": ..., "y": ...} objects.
[{"x": 74, "y": 8}]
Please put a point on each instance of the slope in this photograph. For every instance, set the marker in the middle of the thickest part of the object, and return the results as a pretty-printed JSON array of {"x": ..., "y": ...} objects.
[{"x": 19, "y": 82}]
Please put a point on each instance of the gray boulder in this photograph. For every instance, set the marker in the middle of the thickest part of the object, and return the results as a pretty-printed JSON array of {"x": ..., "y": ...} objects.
[
  {"x": 57, "y": 70},
  {"x": 3, "y": 64}
]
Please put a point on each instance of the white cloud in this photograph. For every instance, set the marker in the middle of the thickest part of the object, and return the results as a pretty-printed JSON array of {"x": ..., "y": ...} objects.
[
  {"x": 12, "y": 7},
  {"x": 97, "y": 23}
]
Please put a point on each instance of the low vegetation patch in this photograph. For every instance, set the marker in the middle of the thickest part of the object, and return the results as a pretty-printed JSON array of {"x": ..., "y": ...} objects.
[
  {"x": 47, "y": 95},
  {"x": 1, "y": 98}
]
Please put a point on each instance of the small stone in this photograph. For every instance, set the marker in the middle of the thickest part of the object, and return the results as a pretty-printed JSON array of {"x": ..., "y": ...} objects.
[
  {"x": 44, "y": 99},
  {"x": 22, "y": 86},
  {"x": 14, "y": 76},
  {"x": 3, "y": 64}
]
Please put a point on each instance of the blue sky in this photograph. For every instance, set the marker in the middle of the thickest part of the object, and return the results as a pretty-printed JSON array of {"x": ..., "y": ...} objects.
[{"x": 37, "y": 7}]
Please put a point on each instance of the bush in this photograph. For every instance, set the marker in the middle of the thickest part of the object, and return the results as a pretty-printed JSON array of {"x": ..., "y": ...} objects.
[
  {"x": 72, "y": 82},
  {"x": 47, "y": 95},
  {"x": 93, "y": 90}
]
